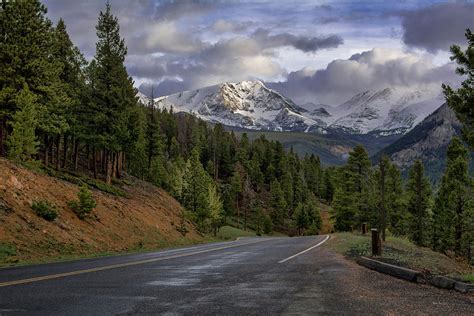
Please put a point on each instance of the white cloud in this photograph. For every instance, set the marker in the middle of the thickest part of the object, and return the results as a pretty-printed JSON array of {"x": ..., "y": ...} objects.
[{"x": 374, "y": 69}]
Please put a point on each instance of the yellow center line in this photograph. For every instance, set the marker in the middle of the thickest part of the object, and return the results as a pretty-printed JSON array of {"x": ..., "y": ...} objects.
[{"x": 119, "y": 265}]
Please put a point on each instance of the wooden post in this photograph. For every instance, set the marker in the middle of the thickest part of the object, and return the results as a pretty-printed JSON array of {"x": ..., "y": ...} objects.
[
  {"x": 376, "y": 243},
  {"x": 364, "y": 228}
]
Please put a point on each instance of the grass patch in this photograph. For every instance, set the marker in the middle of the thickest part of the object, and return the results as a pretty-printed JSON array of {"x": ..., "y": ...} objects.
[
  {"x": 80, "y": 179},
  {"x": 229, "y": 233},
  {"x": 402, "y": 252},
  {"x": 6, "y": 250},
  {"x": 468, "y": 278}
]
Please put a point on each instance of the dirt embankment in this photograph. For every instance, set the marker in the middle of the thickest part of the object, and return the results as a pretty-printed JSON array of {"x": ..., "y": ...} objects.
[{"x": 147, "y": 218}]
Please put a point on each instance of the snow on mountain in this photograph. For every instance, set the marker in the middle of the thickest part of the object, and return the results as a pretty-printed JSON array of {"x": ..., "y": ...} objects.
[
  {"x": 388, "y": 111},
  {"x": 247, "y": 104},
  {"x": 251, "y": 105},
  {"x": 142, "y": 98},
  {"x": 427, "y": 142}
]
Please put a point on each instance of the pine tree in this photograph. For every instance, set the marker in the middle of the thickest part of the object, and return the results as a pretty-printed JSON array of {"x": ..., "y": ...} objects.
[
  {"x": 454, "y": 202},
  {"x": 236, "y": 184},
  {"x": 396, "y": 204},
  {"x": 344, "y": 201},
  {"x": 215, "y": 209},
  {"x": 301, "y": 218},
  {"x": 195, "y": 192},
  {"x": 73, "y": 82},
  {"x": 27, "y": 58},
  {"x": 327, "y": 185},
  {"x": 22, "y": 143},
  {"x": 278, "y": 203},
  {"x": 314, "y": 215},
  {"x": 153, "y": 137},
  {"x": 462, "y": 99},
  {"x": 113, "y": 92},
  {"x": 419, "y": 195},
  {"x": 383, "y": 210},
  {"x": 359, "y": 175}
]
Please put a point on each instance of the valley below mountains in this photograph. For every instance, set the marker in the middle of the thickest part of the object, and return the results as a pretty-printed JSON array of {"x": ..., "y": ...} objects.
[{"x": 406, "y": 124}]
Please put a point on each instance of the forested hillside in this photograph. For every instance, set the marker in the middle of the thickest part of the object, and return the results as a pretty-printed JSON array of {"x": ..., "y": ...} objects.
[{"x": 62, "y": 113}]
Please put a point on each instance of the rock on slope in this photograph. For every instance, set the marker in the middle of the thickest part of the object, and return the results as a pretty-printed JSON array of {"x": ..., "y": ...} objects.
[{"x": 146, "y": 218}]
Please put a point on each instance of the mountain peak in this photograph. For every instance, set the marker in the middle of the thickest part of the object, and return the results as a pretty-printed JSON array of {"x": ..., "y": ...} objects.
[{"x": 250, "y": 104}]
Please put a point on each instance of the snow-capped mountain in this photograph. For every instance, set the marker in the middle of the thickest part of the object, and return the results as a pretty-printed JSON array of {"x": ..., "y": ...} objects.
[
  {"x": 251, "y": 105},
  {"x": 428, "y": 142},
  {"x": 387, "y": 111},
  {"x": 247, "y": 104}
]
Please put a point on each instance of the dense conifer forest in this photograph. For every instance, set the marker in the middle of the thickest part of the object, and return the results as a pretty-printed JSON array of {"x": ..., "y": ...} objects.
[{"x": 62, "y": 112}]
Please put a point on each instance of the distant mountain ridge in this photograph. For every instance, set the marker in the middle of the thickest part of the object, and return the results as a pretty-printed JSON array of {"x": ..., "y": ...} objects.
[
  {"x": 251, "y": 105},
  {"x": 428, "y": 141}
]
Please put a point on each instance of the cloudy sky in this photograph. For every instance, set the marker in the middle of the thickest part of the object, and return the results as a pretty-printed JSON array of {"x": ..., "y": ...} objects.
[{"x": 311, "y": 51}]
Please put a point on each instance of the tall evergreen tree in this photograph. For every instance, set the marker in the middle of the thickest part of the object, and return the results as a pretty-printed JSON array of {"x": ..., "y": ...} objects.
[
  {"x": 73, "y": 78},
  {"x": 359, "y": 168},
  {"x": 462, "y": 99},
  {"x": 419, "y": 196},
  {"x": 113, "y": 93},
  {"x": 195, "y": 192},
  {"x": 384, "y": 165},
  {"x": 27, "y": 58},
  {"x": 22, "y": 143},
  {"x": 397, "y": 214},
  {"x": 452, "y": 228},
  {"x": 278, "y": 203}
]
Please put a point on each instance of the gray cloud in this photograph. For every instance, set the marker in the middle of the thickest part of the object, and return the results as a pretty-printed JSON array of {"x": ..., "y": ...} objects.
[
  {"x": 174, "y": 10},
  {"x": 234, "y": 59},
  {"x": 225, "y": 26},
  {"x": 437, "y": 27},
  {"x": 303, "y": 43},
  {"x": 374, "y": 69}
]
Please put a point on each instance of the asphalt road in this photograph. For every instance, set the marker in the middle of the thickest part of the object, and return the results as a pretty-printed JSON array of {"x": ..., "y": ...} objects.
[{"x": 256, "y": 276}]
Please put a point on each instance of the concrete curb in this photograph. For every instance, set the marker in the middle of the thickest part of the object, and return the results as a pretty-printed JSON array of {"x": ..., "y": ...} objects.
[
  {"x": 415, "y": 276},
  {"x": 399, "y": 272}
]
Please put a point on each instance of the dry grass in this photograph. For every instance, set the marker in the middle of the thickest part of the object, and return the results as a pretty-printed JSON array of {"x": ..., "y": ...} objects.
[
  {"x": 146, "y": 218},
  {"x": 402, "y": 252}
]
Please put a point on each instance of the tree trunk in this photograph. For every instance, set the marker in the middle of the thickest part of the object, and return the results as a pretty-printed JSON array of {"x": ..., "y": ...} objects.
[
  {"x": 103, "y": 160},
  {"x": 73, "y": 145},
  {"x": 245, "y": 218},
  {"x": 65, "y": 152},
  {"x": 76, "y": 155},
  {"x": 119, "y": 164},
  {"x": 3, "y": 136},
  {"x": 46, "y": 150},
  {"x": 95, "y": 162},
  {"x": 51, "y": 146},
  {"x": 124, "y": 164},
  {"x": 382, "y": 199},
  {"x": 238, "y": 214},
  {"x": 58, "y": 154},
  {"x": 458, "y": 230},
  {"x": 88, "y": 159},
  {"x": 114, "y": 165},
  {"x": 108, "y": 173}
]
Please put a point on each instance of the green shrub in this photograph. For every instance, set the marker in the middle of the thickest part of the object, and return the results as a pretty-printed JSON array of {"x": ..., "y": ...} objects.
[
  {"x": 85, "y": 203},
  {"x": 6, "y": 250},
  {"x": 45, "y": 210},
  {"x": 104, "y": 187}
]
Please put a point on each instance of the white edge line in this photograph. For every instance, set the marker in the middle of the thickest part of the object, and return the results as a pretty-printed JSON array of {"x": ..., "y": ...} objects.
[{"x": 306, "y": 250}]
